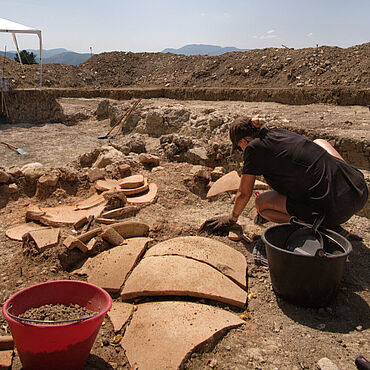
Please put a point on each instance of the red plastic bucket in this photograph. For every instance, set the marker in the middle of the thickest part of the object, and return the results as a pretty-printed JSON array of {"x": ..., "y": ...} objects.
[{"x": 56, "y": 346}]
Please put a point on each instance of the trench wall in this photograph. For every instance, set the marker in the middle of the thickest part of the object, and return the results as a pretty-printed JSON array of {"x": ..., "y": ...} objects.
[
  {"x": 32, "y": 105},
  {"x": 38, "y": 106}
]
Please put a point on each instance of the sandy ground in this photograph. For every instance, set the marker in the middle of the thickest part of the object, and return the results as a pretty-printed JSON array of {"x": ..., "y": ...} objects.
[{"x": 277, "y": 334}]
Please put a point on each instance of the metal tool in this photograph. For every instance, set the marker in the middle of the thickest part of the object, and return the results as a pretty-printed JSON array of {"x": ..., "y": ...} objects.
[
  {"x": 13, "y": 147},
  {"x": 306, "y": 240}
]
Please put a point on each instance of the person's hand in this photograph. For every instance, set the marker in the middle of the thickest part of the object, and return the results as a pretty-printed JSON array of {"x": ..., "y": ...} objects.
[{"x": 218, "y": 225}]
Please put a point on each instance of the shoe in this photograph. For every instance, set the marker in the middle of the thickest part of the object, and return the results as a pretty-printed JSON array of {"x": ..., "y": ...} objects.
[
  {"x": 259, "y": 220},
  {"x": 343, "y": 232},
  {"x": 259, "y": 254}
]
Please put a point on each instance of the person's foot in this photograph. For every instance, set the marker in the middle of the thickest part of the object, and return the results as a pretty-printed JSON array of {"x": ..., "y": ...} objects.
[
  {"x": 259, "y": 253},
  {"x": 259, "y": 220},
  {"x": 348, "y": 235}
]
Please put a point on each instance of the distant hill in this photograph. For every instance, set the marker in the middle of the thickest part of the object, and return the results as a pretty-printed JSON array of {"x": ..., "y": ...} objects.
[
  {"x": 59, "y": 55},
  {"x": 201, "y": 49},
  {"x": 68, "y": 57}
]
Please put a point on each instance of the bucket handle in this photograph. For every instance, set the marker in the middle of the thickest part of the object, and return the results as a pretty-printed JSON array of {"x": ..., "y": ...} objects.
[{"x": 48, "y": 322}]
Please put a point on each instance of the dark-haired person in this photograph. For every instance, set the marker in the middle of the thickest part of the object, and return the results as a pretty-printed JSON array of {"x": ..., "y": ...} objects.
[{"x": 308, "y": 178}]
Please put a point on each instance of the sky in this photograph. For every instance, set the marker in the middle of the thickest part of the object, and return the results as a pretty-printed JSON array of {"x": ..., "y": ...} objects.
[{"x": 98, "y": 26}]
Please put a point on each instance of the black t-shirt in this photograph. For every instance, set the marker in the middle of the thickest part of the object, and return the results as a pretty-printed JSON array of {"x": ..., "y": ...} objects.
[{"x": 303, "y": 171}]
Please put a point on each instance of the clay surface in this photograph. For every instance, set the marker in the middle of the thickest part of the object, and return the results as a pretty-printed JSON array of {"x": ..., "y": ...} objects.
[
  {"x": 219, "y": 255},
  {"x": 180, "y": 276},
  {"x": 162, "y": 335}
]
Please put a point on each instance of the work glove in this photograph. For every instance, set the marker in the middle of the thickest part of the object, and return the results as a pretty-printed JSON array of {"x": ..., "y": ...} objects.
[{"x": 220, "y": 225}]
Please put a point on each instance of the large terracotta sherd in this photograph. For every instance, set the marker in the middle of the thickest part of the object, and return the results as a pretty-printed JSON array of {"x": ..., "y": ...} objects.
[
  {"x": 110, "y": 268},
  {"x": 17, "y": 232},
  {"x": 45, "y": 238},
  {"x": 228, "y": 182},
  {"x": 119, "y": 314},
  {"x": 130, "y": 229},
  {"x": 107, "y": 184},
  {"x": 162, "y": 335},
  {"x": 217, "y": 254},
  {"x": 147, "y": 198},
  {"x": 181, "y": 276},
  {"x": 132, "y": 182},
  {"x": 90, "y": 202},
  {"x": 138, "y": 190},
  {"x": 68, "y": 215}
]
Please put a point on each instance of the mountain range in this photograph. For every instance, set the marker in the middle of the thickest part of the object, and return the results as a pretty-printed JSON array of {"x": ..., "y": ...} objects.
[
  {"x": 59, "y": 55},
  {"x": 65, "y": 56},
  {"x": 201, "y": 49}
]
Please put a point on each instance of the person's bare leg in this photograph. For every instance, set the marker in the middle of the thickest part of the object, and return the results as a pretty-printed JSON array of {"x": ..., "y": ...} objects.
[
  {"x": 328, "y": 147},
  {"x": 271, "y": 205}
]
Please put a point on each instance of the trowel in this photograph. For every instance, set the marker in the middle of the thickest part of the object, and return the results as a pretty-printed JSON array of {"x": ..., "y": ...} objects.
[
  {"x": 306, "y": 240},
  {"x": 12, "y": 147}
]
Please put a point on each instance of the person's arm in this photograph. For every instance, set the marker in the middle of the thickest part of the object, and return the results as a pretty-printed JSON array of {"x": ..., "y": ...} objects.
[{"x": 243, "y": 195}]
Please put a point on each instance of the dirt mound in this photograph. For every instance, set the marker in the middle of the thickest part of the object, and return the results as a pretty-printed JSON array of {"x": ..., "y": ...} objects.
[{"x": 323, "y": 66}]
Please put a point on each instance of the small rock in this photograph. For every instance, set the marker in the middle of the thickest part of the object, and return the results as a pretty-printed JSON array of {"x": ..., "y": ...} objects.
[
  {"x": 217, "y": 173},
  {"x": 13, "y": 189},
  {"x": 95, "y": 174},
  {"x": 359, "y": 328},
  {"x": 4, "y": 177},
  {"x": 157, "y": 169},
  {"x": 149, "y": 159},
  {"x": 326, "y": 364},
  {"x": 321, "y": 326},
  {"x": 200, "y": 171},
  {"x": 49, "y": 179}
]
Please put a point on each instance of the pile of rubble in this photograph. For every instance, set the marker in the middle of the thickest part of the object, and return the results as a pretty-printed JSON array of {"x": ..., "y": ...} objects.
[{"x": 273, "y": 67}]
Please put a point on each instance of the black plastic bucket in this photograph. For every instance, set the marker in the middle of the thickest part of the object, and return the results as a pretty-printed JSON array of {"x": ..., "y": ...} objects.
[{"x": 310, "y": 281}]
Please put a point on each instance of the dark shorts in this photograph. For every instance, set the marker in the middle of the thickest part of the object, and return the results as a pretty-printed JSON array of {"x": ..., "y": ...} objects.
[
  {"x": 302, "y": 210},
  {"x": 341, "y": 213}
]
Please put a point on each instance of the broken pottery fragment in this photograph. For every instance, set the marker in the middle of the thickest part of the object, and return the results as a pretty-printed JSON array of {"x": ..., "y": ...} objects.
[
  {"x": 85, "y": 237},
  {"x": 80, "y": 223},
  {"x": 90, "y": 202},
  {"x": 175, "y": 275},
  {"x": 33, "y": 213},
  {"x": 132, "y": 182},
  {"x": 105, "y": 221},
  {"x": 6, "y": 359},
  {"x": 228, "y": 182},
  {"x": 137, "y": 190},
  {"x": 107, "y": 184},
  {"x": 162, "y": 335},
  {"x": 130, "y": 229},
  {"x": 215, "y": 253},
  {"x": 119, "y": 314},
  {"x": 45, "y": 238},
  {"x": 147, "y": 198},
  {"x": 121, "y": 212},
  {"x": 91, "y": 244},
  {"x": 68, "y": 215},
  {"x": 17, "y": 232},
  {"x": 110, "y": 268},
  {"x": 71, "y": 242},
  {"x": 6, "y": 342},
  {"x": 112, "y": 236}
]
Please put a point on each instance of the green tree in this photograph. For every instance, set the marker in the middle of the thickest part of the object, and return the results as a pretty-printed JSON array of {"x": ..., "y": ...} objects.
[{"x": 26, "y": 57}]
